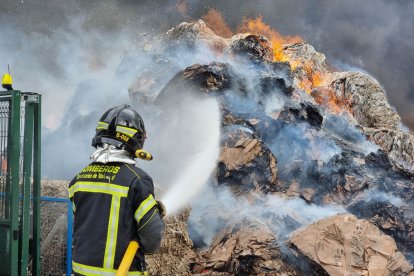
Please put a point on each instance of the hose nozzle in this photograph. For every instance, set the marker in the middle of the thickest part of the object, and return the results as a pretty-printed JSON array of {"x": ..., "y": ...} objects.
[{"x": 143, "y": 154}]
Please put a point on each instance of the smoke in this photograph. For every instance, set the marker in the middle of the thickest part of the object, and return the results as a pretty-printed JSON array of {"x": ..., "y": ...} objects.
[
  {"x": 54, "y": 47},
  {"x": 378, "y": 196},
  {"x": 375, "y": 35},
  {"x": 304, "y": 144},
  {"x": 273, "y": 104},
  {"x": 340, "y": 127},
  {"x": 218, "y": 206}
]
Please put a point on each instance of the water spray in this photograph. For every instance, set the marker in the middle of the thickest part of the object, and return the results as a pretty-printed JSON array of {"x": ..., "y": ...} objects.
[{"x": 203, "y": 152}]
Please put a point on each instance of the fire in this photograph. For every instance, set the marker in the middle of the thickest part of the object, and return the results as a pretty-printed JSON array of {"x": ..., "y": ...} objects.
[
  {"x": 309, "y": 77},
  {"x": 258, "y": 27},
  {"x": 215, "y": 21},
  {"x": 318, "y": 79},
  {"x": 326, "y": 96}
]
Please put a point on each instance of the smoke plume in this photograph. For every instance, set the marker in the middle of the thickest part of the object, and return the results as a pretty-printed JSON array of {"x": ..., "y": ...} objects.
[{"x": 77, "y": 53}]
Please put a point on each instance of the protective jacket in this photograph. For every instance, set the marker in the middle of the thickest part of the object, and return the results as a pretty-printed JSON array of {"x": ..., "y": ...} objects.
[{"x": 113, "y": 204}]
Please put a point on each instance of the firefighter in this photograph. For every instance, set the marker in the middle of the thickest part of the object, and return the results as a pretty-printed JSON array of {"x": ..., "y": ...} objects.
[{"x": 113, "y": 200}]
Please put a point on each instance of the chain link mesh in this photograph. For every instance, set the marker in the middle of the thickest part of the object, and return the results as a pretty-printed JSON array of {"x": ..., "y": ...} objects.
[{"x": 53, "y": 237}]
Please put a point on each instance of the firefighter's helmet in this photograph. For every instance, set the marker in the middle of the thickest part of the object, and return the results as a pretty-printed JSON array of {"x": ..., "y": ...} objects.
[{"x": 124, "y": 128}]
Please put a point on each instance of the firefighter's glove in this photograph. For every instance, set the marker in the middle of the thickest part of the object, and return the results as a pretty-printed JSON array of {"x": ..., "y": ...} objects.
[{"x": 161, "y": 208}]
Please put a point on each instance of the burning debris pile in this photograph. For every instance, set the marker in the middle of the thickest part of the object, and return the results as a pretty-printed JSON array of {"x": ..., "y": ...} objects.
[
  {"x": 300, "y": 144},
  {"x": 292, "y": 131},
  {"x": 315, "y": 173}
]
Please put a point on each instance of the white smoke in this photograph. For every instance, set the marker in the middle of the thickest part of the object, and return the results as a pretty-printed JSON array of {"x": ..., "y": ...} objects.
[
  {"x": 380, "y": 196},
  {"x": 274, "y": 104},
  {"x": 218, "y": 206}
]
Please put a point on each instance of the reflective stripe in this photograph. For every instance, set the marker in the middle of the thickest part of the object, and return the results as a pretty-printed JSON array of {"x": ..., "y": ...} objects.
[
  {"x": 97, "y": 271},
  {"x": 73, "y": 207},
  {"x": 98, "y": 187},
  {"x": 112, "y": 233},
  {"x": 102, "y": 125},
  {"x": 126, "y": 130},
  {"x": 144, "y": 207}
]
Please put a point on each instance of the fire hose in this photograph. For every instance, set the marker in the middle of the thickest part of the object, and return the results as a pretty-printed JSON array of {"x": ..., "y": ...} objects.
[{"x": 127, "y": 259}]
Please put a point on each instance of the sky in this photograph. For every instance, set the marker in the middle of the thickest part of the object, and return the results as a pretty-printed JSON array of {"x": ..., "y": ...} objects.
[{"x": 53, "y": 46}]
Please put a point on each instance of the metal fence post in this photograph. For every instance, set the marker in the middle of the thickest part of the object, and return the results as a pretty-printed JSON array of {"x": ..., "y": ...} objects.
[
  {"x": 27, "y": 173},
  {"x": 13, "y": 168},
  {"x": 69, "y": 240},
  {"x": 36, "y": 187}
]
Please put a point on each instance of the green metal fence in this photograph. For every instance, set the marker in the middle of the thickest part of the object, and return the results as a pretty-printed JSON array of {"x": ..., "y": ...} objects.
[{"x": 20, "y": 126}]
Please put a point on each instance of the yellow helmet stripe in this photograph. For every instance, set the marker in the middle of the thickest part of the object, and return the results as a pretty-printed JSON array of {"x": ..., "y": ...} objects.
[
  {"x": 126, "y": 130},
  {"x": 102, "y": 125}
]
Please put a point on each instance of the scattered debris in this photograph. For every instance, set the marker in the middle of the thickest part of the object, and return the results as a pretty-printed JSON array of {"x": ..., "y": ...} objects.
[
  {"x": 176, "y": 248},
  {"x": 345, "y": 245},
  {"x": 243, "y": 248}
]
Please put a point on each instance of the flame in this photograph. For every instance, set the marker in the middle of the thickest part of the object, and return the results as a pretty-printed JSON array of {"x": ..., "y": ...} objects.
[
  {"x": 310, "y": 78},
  {"x": 318, "y": 79},
  {"x": 258, "y": 27},
  {"x": 326, "y": 96},
  {"x": 215, "y": 21}
]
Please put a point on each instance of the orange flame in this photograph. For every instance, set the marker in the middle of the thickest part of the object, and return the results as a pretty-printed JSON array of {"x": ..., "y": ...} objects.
[
  {"x": 327, "y": 97},
  {"x": 258, "y": 27},
  {"x": 309, "y": 77},
  {"x": 215, "y": 21},
  {"x": 312, "y": 79}
]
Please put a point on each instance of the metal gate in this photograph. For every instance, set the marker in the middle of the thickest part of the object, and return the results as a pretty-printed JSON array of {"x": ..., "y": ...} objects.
[
  {"x": 56, "y": 235},
  {"x": 20, "y": 127}
]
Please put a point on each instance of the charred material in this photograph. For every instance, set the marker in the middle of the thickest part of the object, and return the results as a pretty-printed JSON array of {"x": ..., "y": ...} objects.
[
  {"x": 303, "y": 112},
  {"x": 214, "y": 79},
  {"x": 276, "y": 76},
  {"x": 242, "y": 157},
  {"x": 251, "y": 249},
  {"x": 253, "y": 47}
]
